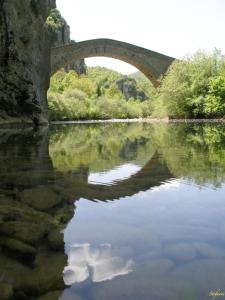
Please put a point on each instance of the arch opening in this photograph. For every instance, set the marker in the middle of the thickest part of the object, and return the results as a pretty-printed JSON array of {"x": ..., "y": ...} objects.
[{"x": 112, "y": 64}]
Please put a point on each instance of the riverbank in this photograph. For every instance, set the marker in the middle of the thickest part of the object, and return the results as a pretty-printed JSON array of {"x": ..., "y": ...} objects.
[
  {"x": 139, "y": 120},
  {"x": 24, "y": 123}
]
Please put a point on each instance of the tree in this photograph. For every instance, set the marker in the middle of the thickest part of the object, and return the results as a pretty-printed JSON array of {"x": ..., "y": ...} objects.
[
  {"x": 215, "y": 100},
  {"x": 184, "y": 89}
]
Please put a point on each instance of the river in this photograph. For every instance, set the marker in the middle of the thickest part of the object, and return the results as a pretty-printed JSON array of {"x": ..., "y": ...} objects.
[{"x": 113, "y": 211}]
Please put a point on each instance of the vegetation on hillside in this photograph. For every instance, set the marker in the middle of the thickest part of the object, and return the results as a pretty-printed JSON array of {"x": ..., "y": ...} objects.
[{"x": 96, "y": 95}]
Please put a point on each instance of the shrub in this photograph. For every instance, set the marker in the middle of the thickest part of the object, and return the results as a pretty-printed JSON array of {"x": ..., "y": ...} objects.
[
  {"x": 215, "y": 100},
  {"x": 54, "y": 23}
]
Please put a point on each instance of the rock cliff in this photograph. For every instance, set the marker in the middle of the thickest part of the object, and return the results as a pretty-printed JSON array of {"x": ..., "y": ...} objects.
[
  {"x": 128, "y": 86},
  {"x": 24, "y": 60}
]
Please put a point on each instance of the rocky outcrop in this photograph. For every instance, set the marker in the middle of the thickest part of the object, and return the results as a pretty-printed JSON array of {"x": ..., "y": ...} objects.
[
  {"x": 24, "y": 60},
  {"x": 79, "y": 66},
  {"x": 128, "y": 86}
]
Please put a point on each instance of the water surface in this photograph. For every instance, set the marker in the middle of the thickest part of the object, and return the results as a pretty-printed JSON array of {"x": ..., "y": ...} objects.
[{"x": 113, "y": 211}]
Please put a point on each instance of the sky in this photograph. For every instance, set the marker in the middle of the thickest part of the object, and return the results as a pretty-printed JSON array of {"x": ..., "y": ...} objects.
[{"x": 172, "y": 27}]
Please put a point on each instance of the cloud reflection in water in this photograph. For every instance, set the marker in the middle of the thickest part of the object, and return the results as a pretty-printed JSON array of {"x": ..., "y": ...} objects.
[{"x": 99, "y": 264}]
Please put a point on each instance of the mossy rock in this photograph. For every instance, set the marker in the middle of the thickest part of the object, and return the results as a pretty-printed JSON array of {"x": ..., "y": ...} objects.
[
  {"x": 64, "y": 214},
  {"x": 40, "y": 198},
  {"x": 11, "y": 209},
  {"x": 26, "y": 232},
  {"x": 20, "y": 295},
  {"x": 56, "y": 240},
  {"x": 15, "y": 272},
  {"x": 51, "y": 296},
  {"x": 6, "y": 291},
  {"x": 17, "y": 247},
  {"x": 45, "y": 276}
]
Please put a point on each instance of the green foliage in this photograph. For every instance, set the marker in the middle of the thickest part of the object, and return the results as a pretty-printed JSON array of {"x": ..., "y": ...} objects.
[
  {"x": 189, "y": 88},
  {"x": 54, "y": 23},
  {"x": 63, "y": 81},
  {"x": 103, "y": 77},
  {"x": 107, "y": 79},
  {"x": 215, "y": 100},
  {"x": 96, "y": 96},
  {"x": 113, "y": 92},
  {"x": 83, "y": 83},
  {"x": 75, "y": 105}
]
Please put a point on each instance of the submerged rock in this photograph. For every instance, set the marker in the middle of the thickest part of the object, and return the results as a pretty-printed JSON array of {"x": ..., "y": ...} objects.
[
  {"x": 55, "y": 240},
  {"x": 13, "y": 270},
  {"x": 47, "y": 273},
  {"x": 40, "y": 198},
  {"x": 18, "y": 247},
  {"x": 209, "y": 251},
  {"x": 45, "y": 276},
  {"x": 181, "y": 252},
  {"x": 51, "y": 296},
  {"x": 206, "y": 272},
  {"x": 11, "y": 210},
  {"x": 24, "y": 231},
  {"x": 6, "y": 291}
]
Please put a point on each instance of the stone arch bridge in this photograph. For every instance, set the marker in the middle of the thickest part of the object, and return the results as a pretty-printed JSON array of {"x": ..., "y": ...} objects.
[{"x": 152, "y": 64}]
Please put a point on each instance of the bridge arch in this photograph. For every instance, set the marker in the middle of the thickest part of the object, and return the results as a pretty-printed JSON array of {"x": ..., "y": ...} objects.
[{"x": 152, "y": 64}]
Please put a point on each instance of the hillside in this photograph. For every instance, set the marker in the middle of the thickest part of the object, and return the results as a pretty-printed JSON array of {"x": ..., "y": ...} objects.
[
  {"x": 135, "y": 86},
  {"x": 100, "y": 94}
]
